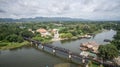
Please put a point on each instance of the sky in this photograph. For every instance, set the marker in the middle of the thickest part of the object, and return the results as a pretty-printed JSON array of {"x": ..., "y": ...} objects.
[{"x": 86, "y": 9}]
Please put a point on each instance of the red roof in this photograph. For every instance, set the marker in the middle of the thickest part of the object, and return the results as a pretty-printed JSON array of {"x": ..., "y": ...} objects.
[{"x": 42, "y": 30}]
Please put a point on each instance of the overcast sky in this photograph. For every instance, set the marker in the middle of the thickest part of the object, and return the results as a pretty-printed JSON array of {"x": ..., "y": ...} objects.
[{"x": 86, "y": 9}]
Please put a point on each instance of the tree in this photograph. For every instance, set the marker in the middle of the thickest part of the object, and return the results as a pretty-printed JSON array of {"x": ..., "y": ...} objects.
[
  {"x": 116, "y": 43},
  {"x": 63, "y": 35},
  {"x": 69, "y": 35},
  {"x": 27, "y": 34},
  {"x": 12, "y": 38},
  {"x": 108, "y": 51},
  {"x": 117, "y": 36},
  {"x": 66, "y": 35},
  {"x": 20, "y": 39}
]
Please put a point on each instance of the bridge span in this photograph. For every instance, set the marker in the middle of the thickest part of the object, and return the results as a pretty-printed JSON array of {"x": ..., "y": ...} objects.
[{"x": 71, "y": 56}]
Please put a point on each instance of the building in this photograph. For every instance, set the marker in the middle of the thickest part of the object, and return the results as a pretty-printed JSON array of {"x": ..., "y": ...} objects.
[{"x": 43, "y": 32}]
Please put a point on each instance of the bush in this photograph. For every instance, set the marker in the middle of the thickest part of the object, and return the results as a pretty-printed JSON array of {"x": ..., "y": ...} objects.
[{"x": 3, "y": 44}]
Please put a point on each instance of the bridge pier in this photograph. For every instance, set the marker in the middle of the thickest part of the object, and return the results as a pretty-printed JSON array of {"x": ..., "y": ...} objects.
[
  {"x": 70, "y": 56},
  {"x": 36, "y": 44},
  {"x": 83, "y": 60},
  {"x": 54, "y": 51},
  {"x": 31, "y": 42},
  {"x": 42, "y": 47}
]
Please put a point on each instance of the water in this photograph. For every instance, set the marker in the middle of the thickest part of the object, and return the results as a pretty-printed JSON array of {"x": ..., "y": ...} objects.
[
  {"x": 28, "y": 56},
  {"x": 75, "y": 45}
]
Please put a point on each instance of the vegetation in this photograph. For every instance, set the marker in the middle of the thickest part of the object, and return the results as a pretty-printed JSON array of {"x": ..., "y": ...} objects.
[
  {"x": 11, "y": 35},
  {"x": 14, "y": 32},
  {"x": 67, "y": 35},
  {"x": 94, "y": 64},
  {"x": 116, "y": 40},
  {"x": 46, "y": 39},
  {"x": 12, "y": 45},
  {"x": 108, "y": 51}
]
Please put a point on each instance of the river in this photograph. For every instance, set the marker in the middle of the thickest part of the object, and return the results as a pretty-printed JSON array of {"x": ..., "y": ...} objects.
[{"x": 28, "y": 56}]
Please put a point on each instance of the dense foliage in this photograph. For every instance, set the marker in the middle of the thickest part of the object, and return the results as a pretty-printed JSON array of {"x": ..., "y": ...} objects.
[
  {"x": 111, "y": 51},
  {"x": 12, "y": 32},
  {"x": 116, "y": 40},
  {"x": 108, "y": 51}
]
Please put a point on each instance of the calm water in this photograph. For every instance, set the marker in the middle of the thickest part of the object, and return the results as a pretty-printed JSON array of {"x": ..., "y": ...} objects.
[
  {"x": 74, "y": 45},
  {"x": 28, "y": 56}
]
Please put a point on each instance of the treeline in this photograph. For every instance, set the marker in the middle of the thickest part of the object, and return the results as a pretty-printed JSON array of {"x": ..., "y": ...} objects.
[
  {"x": 116, "y": 40},
  {"x": 112, "y": 50},
  {"x": 13, "y": 32}
]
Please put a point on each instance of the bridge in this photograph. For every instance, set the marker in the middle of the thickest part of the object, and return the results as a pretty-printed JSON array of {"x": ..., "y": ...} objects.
[{"x": 74, "y": 57}]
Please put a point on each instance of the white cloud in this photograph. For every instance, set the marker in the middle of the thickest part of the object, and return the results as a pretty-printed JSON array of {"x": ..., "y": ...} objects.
[{"x": 88, "y": 9}]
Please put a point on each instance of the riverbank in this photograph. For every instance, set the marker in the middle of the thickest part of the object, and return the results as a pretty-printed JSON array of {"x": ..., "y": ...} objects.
[
  {"x": 12, "y": 45},
  {"x": 78, "y": 37}
]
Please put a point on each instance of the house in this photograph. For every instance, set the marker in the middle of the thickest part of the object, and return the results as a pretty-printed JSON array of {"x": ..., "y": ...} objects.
[{"x": 43, "y": 32}]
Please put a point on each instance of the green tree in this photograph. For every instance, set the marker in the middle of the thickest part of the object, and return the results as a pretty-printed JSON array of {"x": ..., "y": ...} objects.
[
  {"x": 12, "y": 38},
  {"x": 63, "y": 35},
  {"x": 66, "y": 35},
  {"x": 27, "y": 34},
  {"x": 116, "y": 43},
  {"x": 20, "y": 39},
  {"x": 69, "y": 35},
  {"x": 108, "y": 51}
]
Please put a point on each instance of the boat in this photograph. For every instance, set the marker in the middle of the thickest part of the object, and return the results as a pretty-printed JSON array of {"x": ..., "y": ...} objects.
[{"x": 107, "y": 40}]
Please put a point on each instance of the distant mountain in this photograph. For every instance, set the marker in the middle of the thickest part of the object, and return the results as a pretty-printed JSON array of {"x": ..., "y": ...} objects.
[{"x": 41, "y": 19}]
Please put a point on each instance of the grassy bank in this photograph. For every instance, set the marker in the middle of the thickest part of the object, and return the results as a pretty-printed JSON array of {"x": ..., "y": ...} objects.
[{"x": 11, "y": 45}]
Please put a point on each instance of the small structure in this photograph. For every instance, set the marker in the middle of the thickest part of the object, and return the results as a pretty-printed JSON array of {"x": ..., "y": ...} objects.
[
  {"x": 31, "y": 30},
  {"x": 84, "y": 53},
  {"x": 43, "y": 32},
  {"x": 56, "y": 34},
  {"x": 91, "y": 46}
]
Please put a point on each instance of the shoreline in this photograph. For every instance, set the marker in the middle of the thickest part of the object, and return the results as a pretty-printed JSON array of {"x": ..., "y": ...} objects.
[
  {"x": 78, "y": 37},
  {"x": 12, "y": 45}
]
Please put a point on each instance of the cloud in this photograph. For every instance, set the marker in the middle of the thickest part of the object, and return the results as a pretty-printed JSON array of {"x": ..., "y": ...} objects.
[
  {"x": 88, "y": 9},
  {"x": 2, "y": 11}
]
